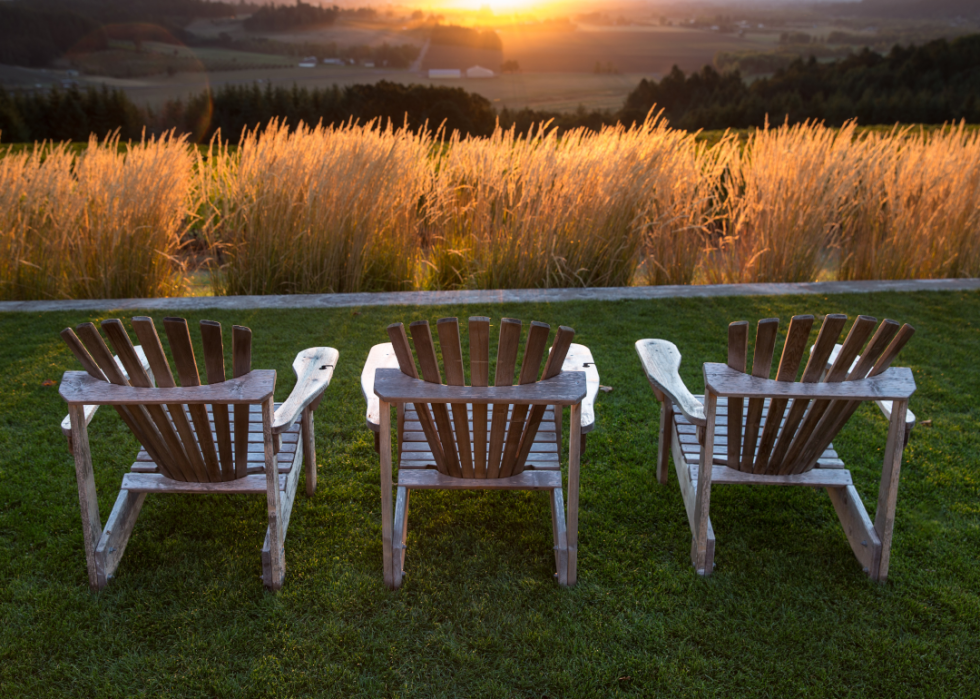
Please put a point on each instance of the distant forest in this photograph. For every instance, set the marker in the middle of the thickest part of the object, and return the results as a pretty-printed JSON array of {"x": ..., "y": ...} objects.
[
  {"x": 277, "y": 18},
  {"x": 931, "y": 84}
]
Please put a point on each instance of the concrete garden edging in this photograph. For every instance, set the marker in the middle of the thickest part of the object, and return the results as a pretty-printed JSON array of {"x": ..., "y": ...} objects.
[{"x": 490, "y": 296}]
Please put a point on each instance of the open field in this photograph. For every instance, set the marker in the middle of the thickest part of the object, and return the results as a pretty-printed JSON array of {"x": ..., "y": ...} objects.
[
  {"x": 650, "y": 51},
  {"x": 788, "y": 611},
  {"x": 545, "y": 91},
  {"x": 343, "y": 33}
]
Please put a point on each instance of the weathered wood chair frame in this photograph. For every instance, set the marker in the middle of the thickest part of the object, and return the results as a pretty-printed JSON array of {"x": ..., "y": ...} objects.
[
  {"x": 265, "y": 458},
  {"x": 438, "y": 447},
  {"x": 792, "y": 443}
]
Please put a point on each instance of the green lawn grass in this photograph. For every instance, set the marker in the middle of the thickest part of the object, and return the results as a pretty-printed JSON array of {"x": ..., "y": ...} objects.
[{"x": 788, "y": 611}]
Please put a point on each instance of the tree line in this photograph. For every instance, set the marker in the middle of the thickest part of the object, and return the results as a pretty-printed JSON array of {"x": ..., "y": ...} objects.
[
  {"x": 931, "y": 84},
  {"x": 277, "y": 18}
]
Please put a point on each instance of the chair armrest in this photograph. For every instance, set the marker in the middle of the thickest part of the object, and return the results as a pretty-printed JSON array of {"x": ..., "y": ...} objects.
[
  {"x": 661, "y": 362},
  {"x": 90, "y": 409},
  {"x": 314, "y": 368},
  {"x": 579, "y": 358},
  {"x": 380, "y": 357}
]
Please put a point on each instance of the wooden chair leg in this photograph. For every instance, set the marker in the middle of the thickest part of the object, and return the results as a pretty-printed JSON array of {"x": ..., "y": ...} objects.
[
  {"x": 277, "y": 563},
  {"x": 574, "y": 458},
  {"x": 860, "y": 532},
  {"x": 386, "y": 514},
  {"x": 663, "y": 442},
  {"x": 888, "y": 491},
  {"x": 119, "y": 527},
  {"x": 702, "y": 556},
  {"x": 309, "y": 451},
  {"x": 559, "y": 534},
  {"x": 400, "y": 535},
  {"x": 88, "y": 500}
]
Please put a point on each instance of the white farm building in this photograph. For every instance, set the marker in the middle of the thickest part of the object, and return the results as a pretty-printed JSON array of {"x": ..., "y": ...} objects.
[
  {"x": 479, "y": 72},
  {"x": 445, "y": 73}
]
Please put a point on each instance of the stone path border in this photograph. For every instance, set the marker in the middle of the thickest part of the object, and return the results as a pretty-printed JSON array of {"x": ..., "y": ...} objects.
[{"x": 446, "y": 298}]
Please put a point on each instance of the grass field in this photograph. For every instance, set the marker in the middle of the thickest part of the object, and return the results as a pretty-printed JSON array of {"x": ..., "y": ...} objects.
[
  {"x": 538, "y": 90},
  {"x": 631, "y": 49},
  {"x": 788, "y": 611}
]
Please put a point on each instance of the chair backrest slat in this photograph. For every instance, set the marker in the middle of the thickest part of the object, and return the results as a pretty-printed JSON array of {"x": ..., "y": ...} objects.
[
  {"x": 146, "y": 333},
  {"x": 138, "y": 377},
  {"x": 891, "y": 352},
  {"x": 422, "y": 338},
  {"x": 479, "y": 376},
  {"x": 789, "y": 364},
  {"x": 403, "y": 353},
  {"x": 179, "y": 337},
  {"x": 556, "y": 359},
  {"x": 534, "y": 349},
  {"x": 82, "y": 355},
  {"x": 214, "y": 365},
  {"x": 765, "y": 348},
  {"x": 860, "y": 331},
  {"x": 452, "y": 360},
  {"x": 738, "y": 350},
  {"x": 510, "y": 337},
  {"x": 241, "y": 364},
  {"x": 830, "y": 331},
  {"x": 141, "y": 424}
]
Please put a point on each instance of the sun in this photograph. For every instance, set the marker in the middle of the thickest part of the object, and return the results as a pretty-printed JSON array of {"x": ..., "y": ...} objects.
[
  {"x": 501, "y": 6},
  {"x": 495, "y": 6}
]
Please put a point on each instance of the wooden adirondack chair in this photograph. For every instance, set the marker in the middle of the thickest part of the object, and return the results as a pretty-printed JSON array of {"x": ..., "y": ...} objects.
[
  {"x": 192, "y": 442},
  {"x": 780, "y": 432},
  {"x": 479, "y": 436}
]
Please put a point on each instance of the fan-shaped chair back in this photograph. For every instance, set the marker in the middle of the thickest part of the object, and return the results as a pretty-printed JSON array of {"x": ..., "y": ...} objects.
[{"x": 478, "y": 440}]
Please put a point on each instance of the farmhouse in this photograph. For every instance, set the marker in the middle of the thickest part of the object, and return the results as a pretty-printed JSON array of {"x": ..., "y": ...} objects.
[
  {"x": 479, "y": 72},
  {"x": 444, "y": 73}
]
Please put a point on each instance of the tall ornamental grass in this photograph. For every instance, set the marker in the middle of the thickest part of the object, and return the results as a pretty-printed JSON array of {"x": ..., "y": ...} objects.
[
  {"x": 373, "y": 208},
  {"x": 915, "y": 212},
  {"x": 544, "y": 211},
  {"x": 317, "y": 210},
  {"x": 780, "y": 203},
  {"x": 106, "y": 223}
]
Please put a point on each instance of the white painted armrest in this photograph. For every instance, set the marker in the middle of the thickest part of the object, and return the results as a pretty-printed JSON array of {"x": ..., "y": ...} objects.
[
  {"x": 90, "y": 409},
  {"x": 661, "y": 362},
  {"x": 884, "y": 405},
  {"x": 579, "y": 358},
  {"x": 380, "y": 357},
  {"x": 314, "y": 368}
]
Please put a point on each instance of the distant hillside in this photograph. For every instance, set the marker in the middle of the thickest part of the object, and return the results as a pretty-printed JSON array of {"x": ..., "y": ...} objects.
[
  {"x": 37, "y": 32},
  {"x": 278, "y": 18},
  {"x": 35, "y": 37}
]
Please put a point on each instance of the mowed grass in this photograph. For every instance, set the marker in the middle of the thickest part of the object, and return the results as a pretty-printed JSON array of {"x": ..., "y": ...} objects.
[{"x": 788, "y": 611}]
